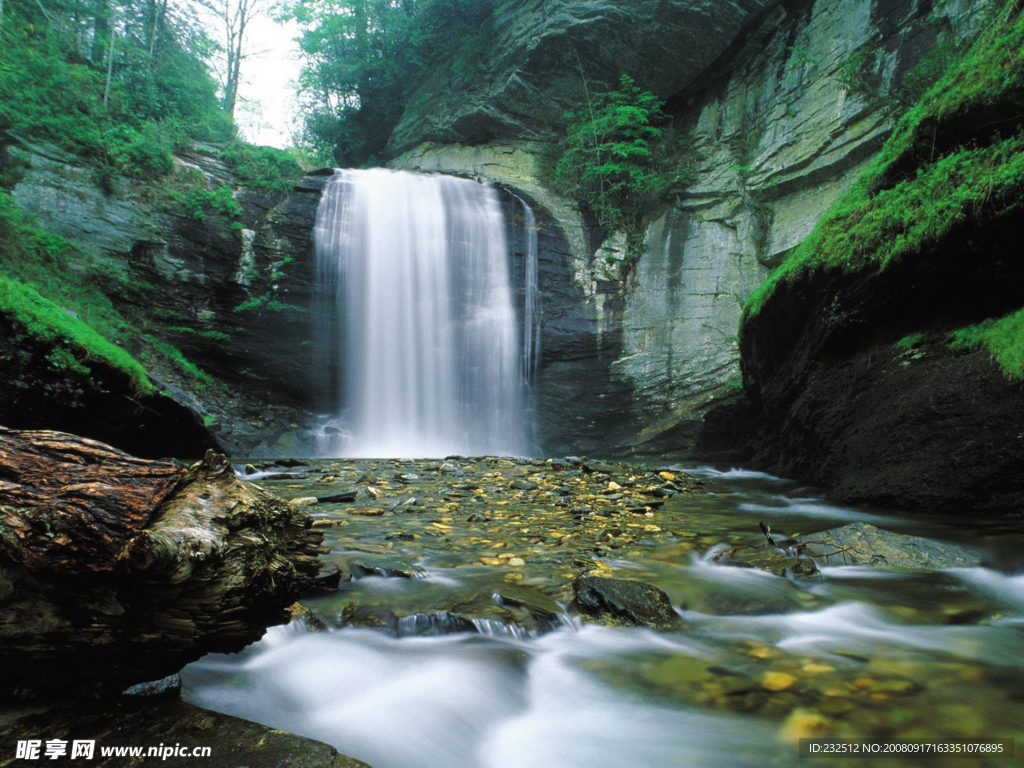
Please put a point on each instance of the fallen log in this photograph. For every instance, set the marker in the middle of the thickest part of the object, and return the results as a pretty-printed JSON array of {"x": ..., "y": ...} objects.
[{"x": 116, "y": 570}]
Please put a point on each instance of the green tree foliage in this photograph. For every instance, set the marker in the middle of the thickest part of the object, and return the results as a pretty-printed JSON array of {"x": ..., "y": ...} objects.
[
  {"x": 364, "y": 58},
  {"x": 120, "y": 82},
  {"x": 617, "y": 159}
]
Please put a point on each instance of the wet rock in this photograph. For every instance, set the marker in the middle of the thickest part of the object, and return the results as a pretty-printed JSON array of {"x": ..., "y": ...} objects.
[
  {"x": 130, "y": 721},
  {"x": 167, "y": 687},
  {"x": 770, "y": 559},
  {"x": 536, "y": 603},
  {"x": 433, "y": 624},
  {"x": 524, "y": 485},
  {"x": 339, "y": 498},
  {"x": 864, "y": 544},
  {"x": 368, "y": 512},
  {"x": 632, "y": 601},
  {"x": 307, "y": 618},
  {"x": 329, "y": 577},
  {"x": 388, "y": 567}
]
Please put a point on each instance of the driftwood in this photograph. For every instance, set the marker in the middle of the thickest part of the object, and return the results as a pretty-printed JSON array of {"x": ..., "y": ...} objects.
[{"x": 116, "y": 570}]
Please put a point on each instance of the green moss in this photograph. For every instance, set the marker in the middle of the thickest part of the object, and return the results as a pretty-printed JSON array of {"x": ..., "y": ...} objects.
[
  {"x": 1002, "y": 337},
  {"x": 266, "y": 168},
  {"x": 908, "y": 342},
  {"x": 200, "y": 202},
  {"x": 74, "y": 343},
  {"x": 56, "y": 306},
  {"x": 917, "y": 190}
]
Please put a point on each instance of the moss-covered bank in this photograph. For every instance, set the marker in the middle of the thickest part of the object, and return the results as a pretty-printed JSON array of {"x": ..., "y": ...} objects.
[{"x": 883, "y": 358}]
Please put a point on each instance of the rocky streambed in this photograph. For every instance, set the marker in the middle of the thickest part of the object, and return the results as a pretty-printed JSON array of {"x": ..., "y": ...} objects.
[{"x": 498, "y": 612}]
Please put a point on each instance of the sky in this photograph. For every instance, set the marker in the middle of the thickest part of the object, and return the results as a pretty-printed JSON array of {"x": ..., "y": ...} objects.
[{"x": 266, "y": 113}]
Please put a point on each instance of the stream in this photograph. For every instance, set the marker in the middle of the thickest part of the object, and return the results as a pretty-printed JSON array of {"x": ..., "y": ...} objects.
[{"x": 452, "y": 648}]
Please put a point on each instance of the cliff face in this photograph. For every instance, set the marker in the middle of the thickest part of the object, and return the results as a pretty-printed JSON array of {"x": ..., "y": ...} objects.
[
  {"x": 885, "y": 357},
  {"x": 548, "y": 53},
  {"x": 183, "y": 281},
  {"x": 778, "y": 137}
]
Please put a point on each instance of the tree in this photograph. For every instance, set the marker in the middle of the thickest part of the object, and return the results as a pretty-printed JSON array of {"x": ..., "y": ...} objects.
[
  {"x": 608, "y": 162},
  {"x": 234, "y": 18},
  {"x": 365, "y": 58}
]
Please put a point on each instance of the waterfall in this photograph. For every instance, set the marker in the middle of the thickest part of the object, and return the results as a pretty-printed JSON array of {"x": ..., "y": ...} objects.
[{"x": 417, "y": 318}]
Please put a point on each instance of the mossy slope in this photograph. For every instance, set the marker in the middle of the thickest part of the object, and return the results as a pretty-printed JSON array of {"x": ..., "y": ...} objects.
[
  {"x": 883, "y": 358},
  {"x": 956, "y": 158}
]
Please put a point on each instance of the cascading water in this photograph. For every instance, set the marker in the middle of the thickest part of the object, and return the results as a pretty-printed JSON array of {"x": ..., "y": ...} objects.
[{"x": 418, "y": 318}]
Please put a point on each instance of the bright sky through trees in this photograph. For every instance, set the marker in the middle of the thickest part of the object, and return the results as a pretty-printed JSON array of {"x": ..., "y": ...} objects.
[{"x": 265, "y": 112}]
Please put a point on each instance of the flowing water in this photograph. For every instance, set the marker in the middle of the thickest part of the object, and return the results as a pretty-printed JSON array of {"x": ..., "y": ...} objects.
[
  {"x": 428, "y": 352},
  {"x": 757, "y": 662}
]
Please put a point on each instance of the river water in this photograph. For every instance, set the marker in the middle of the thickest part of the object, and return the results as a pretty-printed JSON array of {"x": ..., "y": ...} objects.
[{"x": 758, "y": 661}]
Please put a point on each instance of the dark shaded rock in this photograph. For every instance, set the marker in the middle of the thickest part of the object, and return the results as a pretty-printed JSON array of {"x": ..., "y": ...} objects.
[
  {"x": 864, "y": 544},
  {"x": 232, "y": 741},
  {"x": 168, "y": 687},
  {"x": 383, "y": 565},
  {"x": 534, "y": 73},
  {"x": 102, "y": 403},
  {"x": 920, "y": 427},
  {"x": 327, "y": 579},
  {"x": 339, "y": 498},
  {"x": 632, "y": 601}
]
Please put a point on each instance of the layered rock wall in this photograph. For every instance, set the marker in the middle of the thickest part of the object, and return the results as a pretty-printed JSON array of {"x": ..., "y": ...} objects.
[
  {"x": 777, "y": 136},
  {"x": 185, "y": 281}
]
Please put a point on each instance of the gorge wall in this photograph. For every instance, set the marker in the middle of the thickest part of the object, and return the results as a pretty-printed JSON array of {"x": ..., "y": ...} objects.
[
  {"x": 763, "y": 91},
  {"x": 225, "y": 293}
]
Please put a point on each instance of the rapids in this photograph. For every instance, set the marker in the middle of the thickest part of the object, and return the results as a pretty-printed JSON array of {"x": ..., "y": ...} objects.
[{"x": 759, "y": 661}]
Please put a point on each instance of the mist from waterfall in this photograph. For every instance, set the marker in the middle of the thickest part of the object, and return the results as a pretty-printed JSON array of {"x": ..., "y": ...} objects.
[{"x": 417, "y": 316}]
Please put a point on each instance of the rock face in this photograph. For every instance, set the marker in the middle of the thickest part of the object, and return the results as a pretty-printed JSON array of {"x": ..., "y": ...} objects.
[
  {"x": 549, "y": 52},
  {"x": 219, "y": 291},
  {"x": 847, "y": 407},
  {"x": 853, "y": 363},
  {"x": 777, "y": 139}
]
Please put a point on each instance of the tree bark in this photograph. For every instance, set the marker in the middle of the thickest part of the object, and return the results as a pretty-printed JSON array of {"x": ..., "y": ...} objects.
[{"x": 116, "y": 570}]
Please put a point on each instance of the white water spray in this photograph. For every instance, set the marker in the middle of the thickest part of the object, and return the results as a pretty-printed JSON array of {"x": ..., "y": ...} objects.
[{"x": 420, "y": 318}]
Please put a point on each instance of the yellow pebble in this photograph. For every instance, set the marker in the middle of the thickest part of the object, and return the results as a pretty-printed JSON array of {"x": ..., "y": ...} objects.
[
  {"x": 667, "y": 476},
  {"x": 804, "y": 724},
  {"x": 778, "y": 681}
]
